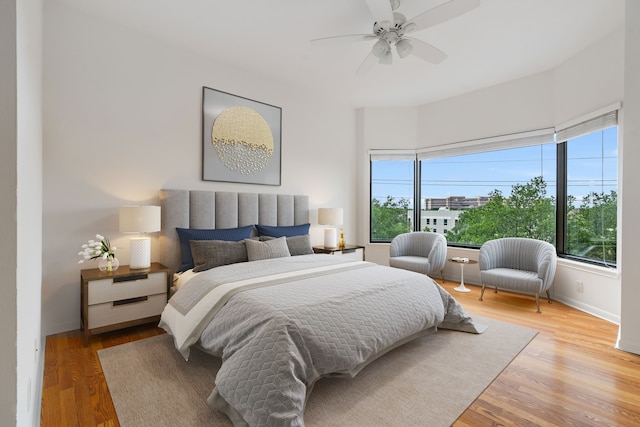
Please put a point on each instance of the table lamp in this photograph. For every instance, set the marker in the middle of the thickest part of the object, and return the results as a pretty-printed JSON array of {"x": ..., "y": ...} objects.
[
  {"x": 330, "y": 216},
  {"x": 140, "y": 219}
]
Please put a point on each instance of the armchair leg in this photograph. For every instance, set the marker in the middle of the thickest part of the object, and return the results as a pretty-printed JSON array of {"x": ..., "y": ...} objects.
[
  {"x": 442, "y": 275},
  {"x": 482, "y": 291},
  {"x": 548, "y": 296},
  {"x": 538, "y": 303}
]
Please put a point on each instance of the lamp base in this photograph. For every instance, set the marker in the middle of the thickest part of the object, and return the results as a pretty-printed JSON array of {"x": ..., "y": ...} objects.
[
  {"x": 330, "y": 238},
  {"x": 140, "y": 253}
]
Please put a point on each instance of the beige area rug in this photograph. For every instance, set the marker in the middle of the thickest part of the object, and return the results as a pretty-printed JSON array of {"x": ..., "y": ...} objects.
[{"x": 427, "y": 382}]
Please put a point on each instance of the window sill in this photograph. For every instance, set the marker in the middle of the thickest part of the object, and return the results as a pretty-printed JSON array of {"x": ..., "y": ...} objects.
[{"x": 610, "y": 272}]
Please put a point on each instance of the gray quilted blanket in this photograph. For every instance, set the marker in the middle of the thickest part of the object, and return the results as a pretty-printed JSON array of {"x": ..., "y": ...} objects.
[{"x": 306, "y": 317}]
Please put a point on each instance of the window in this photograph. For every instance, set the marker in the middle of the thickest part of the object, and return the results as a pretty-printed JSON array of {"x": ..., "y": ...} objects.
[
  {"x": 557, "y": 185},
  {"x": 500, "y": 193},
  {"x": 588, "y": 218},
  {"x": 392, "y": 195}
]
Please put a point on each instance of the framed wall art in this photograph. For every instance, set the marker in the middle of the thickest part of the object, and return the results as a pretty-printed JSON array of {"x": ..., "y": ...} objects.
[{"x": 241, "y": 139}]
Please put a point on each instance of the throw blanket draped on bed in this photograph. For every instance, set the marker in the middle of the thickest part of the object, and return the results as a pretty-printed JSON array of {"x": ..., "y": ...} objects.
[{"x": 281, "y": 324}]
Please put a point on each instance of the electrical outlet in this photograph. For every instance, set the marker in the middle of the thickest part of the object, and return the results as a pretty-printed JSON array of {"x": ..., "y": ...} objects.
[{"x": 579, "y": 286}]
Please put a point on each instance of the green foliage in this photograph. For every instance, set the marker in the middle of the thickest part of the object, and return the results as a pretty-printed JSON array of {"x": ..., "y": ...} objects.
[
  {"x": 528, "y": 212},
  {"x": 592, "y": 226},
  {"x": 389, "y": 218}
]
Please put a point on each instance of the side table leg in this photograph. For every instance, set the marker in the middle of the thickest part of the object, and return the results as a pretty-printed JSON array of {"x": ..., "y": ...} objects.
[{"x": 462, "y": 288}]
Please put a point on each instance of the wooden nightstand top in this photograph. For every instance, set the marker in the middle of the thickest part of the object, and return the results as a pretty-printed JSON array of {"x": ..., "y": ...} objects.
[
  {"x": 323, "y": 250},
  {"x": 122, "y": 272}
]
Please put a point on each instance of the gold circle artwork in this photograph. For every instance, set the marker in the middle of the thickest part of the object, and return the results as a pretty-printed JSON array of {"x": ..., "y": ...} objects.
[{"x": 242, "y": 140}]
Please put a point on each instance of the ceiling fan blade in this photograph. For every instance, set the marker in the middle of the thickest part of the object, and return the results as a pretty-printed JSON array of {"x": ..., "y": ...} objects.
[
  {"x": 426, "y": 51},
  {"x": 366, "y": 66},
  {"x": 443, "y": 13},
  {"x": 325, "y": 41},
  {"x": 380, "y": 10}
]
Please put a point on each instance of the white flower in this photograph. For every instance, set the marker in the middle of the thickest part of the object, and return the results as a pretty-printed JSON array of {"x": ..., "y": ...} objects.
[{"x": 100, "y": 249}]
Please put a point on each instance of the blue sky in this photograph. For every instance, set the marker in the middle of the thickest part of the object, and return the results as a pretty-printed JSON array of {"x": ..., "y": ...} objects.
[{"x": 592, "y": 166}]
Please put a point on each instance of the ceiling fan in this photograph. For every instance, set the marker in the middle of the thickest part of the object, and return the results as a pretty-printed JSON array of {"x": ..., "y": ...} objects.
[{"x": 391, "y": 28}]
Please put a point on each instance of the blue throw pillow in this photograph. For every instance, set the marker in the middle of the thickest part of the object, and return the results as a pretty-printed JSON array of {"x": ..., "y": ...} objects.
[
  {"x": 186, "y": 235},
  {"x": 284, "y": 231}
]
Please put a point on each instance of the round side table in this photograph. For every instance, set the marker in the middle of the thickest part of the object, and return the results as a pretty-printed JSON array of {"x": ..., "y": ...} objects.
[{"x": 462, "y": 263}]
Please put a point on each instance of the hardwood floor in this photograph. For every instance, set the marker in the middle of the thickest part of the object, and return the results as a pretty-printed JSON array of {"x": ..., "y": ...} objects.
[{"x": 569, "y": 375}]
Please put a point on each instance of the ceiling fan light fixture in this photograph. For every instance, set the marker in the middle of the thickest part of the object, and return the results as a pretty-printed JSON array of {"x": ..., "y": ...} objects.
[
  {"x": 386, "y": 59},
  {"x": 380, "y": 48},
  {"x": 404, "y": 48}
]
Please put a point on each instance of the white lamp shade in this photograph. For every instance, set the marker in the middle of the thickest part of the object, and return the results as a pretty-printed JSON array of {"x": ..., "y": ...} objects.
[
  {"x": 139, "y": 219},
  {"x": 330, "y": 216}
]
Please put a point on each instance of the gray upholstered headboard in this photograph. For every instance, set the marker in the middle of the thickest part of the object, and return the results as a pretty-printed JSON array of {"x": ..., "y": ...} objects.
[{"x": 220, "y": 209}]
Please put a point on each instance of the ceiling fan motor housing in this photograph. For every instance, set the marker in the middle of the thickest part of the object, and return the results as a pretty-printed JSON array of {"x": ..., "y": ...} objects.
[{"x": 392, "y": 35}]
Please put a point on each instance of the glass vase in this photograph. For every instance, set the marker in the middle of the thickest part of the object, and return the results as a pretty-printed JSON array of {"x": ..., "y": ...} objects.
[{"x": 108, "y": 264}]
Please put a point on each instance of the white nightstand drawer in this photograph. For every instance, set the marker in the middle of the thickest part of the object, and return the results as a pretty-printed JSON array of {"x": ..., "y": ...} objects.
[
  {"x": 126, "y": 310},
  {"x": 108, "y": 290}
]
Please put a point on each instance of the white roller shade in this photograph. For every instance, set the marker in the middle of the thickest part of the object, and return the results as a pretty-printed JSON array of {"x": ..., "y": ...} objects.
[
  {"x": 587, "y": 126},
  {"x": 392, "y": 155},
  {"x": 515, "y": 140}
]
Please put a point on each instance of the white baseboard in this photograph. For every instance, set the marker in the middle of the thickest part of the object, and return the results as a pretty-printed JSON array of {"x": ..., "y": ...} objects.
[
  {"x": 37, "y": 398},
  {"x": 589, "y": 309}
]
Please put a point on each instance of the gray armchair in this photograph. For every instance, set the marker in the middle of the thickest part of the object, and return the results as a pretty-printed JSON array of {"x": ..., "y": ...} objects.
[
  {"x": 518, "y": 264},
  {"x": 419, "y": 251}
]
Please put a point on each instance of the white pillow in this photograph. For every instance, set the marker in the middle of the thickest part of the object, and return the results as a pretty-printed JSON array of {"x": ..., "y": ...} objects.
[{"x": 276, "y": 248}]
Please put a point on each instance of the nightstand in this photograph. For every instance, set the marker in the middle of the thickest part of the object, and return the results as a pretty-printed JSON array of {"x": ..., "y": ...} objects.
[
  {"x": 351, "y": 251},
  {"x": 122, "y": 298}
]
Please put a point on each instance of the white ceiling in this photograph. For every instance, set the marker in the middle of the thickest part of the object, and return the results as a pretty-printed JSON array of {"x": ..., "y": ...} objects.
[{"x": 501, "y": 40}]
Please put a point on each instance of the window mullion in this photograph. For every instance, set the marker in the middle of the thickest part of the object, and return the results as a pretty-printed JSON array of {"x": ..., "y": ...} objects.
[{"x": 561, "y": 197}]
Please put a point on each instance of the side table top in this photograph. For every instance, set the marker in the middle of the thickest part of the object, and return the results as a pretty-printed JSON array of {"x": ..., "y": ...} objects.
[{"x": 459, "y": 260}]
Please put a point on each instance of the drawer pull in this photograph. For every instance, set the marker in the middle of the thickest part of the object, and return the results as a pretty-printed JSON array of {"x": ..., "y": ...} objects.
[
  {"x": 131, "y": 277},
  {"x": 129, "y": 301},
  {"x": 348, "y": 251}
]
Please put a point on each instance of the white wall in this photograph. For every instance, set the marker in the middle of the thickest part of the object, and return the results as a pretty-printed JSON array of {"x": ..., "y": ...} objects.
[
  {"x": 8, "y": 231},
  {"x": 629, "y": 338},
  {"x": 29, "y": 212},
  {"x": 21, "y": 210},
  {"x": 122, "y": 119},
  {"x": 590, "y": 80},
  {"x": 516, "y": 106}
]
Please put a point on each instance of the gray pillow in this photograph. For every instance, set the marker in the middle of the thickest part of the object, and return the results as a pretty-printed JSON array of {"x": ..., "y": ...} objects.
[
  {"x": 276, "y": 248},
  {"x": 298, "y": 245},
  {"x": 214, "y": 253}
]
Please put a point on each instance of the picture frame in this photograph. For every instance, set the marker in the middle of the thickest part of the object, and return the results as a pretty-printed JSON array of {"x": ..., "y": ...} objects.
[{"x": 241, "y": 139}]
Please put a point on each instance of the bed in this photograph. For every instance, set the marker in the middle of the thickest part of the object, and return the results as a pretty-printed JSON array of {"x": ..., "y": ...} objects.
[{"x": 279, "y": 316}]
